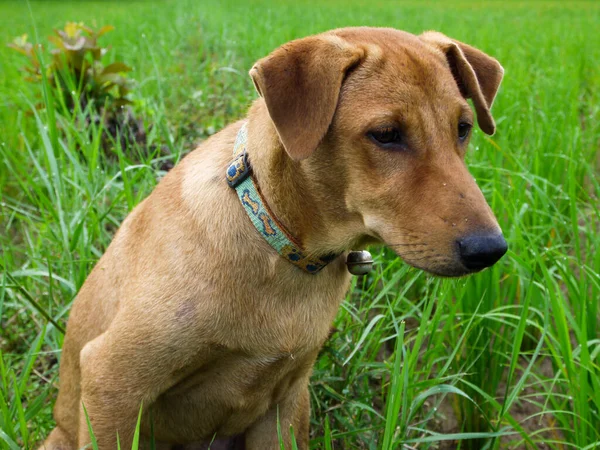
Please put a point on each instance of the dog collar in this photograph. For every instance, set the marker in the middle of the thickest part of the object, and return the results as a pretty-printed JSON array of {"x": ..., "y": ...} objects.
[{"x": 239, "y": 176}]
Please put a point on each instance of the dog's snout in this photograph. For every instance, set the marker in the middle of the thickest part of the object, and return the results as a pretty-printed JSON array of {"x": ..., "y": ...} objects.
[{"x": 481, "y": 250}]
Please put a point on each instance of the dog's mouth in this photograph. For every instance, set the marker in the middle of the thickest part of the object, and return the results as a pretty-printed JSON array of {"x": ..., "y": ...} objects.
[
  {"x": 431, "y": 261},
  {"x": 468, "y": 255},
  {"x": 445, "y": 271}
]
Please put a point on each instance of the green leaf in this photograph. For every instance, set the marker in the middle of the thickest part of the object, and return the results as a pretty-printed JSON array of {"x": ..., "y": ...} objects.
[
  {"x": 34, "y": 303},
  {"x": 279, "y": 434},
  {"x": 364, "y": 336},
  {"x": 11, "y": 444},
  {"x": 136, "y": 436},
  {"x": 293, "y": 438},
  {"x": 18, "y": 405},
  {"x": 89, "y": 425}
]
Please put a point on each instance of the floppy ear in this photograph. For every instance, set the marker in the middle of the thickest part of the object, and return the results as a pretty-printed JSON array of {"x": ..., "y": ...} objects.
[
  {"x": 300, "y": 83},
  {"x": 478, "y": 75}
]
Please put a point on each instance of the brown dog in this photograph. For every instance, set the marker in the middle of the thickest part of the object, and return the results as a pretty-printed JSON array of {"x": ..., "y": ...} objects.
[{"x": 358, "y": 138}]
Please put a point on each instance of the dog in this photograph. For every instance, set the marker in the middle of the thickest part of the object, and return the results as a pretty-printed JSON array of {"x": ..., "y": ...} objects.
[{"x": 212, "y": 302}]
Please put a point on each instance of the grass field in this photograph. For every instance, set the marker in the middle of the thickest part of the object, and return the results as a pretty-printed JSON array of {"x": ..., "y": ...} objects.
[{"x": 509, "y": 358}]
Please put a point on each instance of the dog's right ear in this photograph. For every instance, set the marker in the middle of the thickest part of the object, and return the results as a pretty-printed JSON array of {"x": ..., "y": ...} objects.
[
  {"x": 478, "y": 75},
  {"x": 300, "y": 83}
]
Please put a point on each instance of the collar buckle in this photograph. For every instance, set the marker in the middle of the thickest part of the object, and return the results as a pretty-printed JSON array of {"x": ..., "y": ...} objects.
[{"x": 238, "y": 170}]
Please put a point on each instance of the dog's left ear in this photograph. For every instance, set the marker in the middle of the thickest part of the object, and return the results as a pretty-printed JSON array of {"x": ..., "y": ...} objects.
[
  {"x": 478, "y": 75},
  {"x": 300, "y": 83}
]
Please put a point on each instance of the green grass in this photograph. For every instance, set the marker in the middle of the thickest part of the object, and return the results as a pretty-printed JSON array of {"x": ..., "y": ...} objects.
[{"x": 504, "y": 359}]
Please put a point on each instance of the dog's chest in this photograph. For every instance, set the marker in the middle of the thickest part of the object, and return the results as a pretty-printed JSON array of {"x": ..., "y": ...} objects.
[
  {"x": 239, "y": 385},
  {"x": 263, "y": 348},
  {"x": 292, "y": 317},
  {"x": 228, "y": 396}
]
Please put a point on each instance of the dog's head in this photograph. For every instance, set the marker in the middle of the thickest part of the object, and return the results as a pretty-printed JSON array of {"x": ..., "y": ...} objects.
[{"x": 384, "y": 115}]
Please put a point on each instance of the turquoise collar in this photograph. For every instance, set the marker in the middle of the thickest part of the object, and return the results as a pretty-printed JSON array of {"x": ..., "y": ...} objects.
[{"x": 239, "y": 176}]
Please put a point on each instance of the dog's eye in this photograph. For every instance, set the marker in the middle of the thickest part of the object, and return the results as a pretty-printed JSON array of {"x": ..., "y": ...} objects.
[
  {"x": 386, "y": 137},
  {"x": 463, "y": 130}
]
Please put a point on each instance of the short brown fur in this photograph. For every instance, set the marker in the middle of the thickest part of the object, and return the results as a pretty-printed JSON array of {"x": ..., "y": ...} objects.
[{"x": 191, "y": 313}]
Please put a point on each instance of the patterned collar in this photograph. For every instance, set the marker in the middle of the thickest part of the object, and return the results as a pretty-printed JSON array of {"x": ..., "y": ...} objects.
[{"x": 239, "y": 176}]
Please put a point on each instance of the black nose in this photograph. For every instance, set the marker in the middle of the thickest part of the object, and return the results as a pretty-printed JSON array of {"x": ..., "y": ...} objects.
[{"x": 479, "y": 251}]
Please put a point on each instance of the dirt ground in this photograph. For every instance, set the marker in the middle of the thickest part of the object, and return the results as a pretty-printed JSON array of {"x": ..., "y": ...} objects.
[{"x": 521, "y": 411}]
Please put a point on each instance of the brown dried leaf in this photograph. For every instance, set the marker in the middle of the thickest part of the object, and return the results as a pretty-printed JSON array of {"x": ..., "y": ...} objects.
[
  {"x": 117, "y": 67},
  {"x": 21, "y": 50},
  {"x": 57, "y": 41}
]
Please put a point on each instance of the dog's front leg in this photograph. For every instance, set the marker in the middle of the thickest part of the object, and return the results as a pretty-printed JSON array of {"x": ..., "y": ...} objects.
[
  {"x": 127, "y": 368},
  {"x": 112, "y": 391},
  {"x": 293, "y": 412},
  {"x": 104, "y": 404}
]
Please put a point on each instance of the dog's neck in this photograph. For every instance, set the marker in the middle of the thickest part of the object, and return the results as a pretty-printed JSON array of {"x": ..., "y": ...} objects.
[{"x": 298, "y": 194}]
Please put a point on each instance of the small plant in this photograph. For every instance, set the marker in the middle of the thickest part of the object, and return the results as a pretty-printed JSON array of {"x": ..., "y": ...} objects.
[{"x": 82, "y": 83}]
